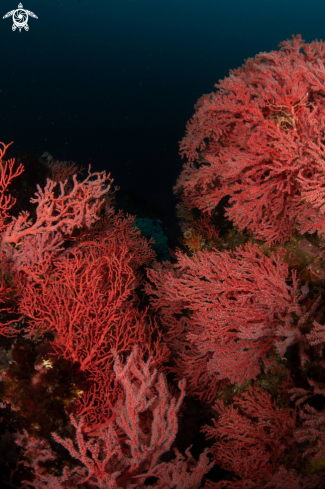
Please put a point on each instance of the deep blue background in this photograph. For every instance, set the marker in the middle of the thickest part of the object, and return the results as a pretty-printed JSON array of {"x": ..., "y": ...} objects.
[{"x": 113, "y": 82}]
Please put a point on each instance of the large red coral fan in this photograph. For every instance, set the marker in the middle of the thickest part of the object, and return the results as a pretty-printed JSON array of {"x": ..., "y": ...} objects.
[
  {"x": 228, "y": 314},
  {"x": 78, "y": 287},
  {"x": 259, "y": 140},
  {"x": 87, "y": 301}
]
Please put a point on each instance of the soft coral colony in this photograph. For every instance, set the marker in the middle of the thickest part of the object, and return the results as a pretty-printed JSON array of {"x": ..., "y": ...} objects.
[{"x": 94, "y": 326}]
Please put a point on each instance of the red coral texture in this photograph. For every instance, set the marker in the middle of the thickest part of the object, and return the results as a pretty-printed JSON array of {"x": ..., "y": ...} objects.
[
  {"x": 242, "y": 312},
  {"x": 259, "y": 140}
]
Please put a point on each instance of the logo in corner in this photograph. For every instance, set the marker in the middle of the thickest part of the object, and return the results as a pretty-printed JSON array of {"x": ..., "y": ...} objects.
[{"x": 20, "y": 18}]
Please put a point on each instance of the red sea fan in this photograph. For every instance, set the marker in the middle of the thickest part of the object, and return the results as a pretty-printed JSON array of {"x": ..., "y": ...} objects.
[
  {"x": 227, "y": 315},
  {"x": 252, "y": 437},
  {"x": 259, "y": 140},
  {"x": 255, "y": 441},
  {"x": 87, "y": 301}
]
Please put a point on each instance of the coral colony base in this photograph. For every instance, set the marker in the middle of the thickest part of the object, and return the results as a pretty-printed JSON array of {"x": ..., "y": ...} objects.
[{"x": 108, "y": 356}]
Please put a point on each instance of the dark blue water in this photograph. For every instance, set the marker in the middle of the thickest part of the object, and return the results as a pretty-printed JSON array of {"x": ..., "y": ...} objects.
[{"x": 112, "y": 83}]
